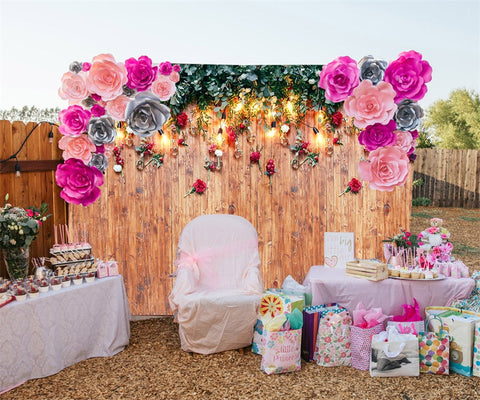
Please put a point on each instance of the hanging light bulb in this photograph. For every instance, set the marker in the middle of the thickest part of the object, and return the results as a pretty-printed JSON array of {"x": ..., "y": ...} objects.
[
  {"x": 223, "y": 122},
  {"x": 17, "y": 170},
  {"x": 50, "y": 136},
  {"x": 273, "y": 130}
]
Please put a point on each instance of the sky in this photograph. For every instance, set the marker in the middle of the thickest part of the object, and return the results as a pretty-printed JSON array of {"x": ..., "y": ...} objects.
[{"x": 39, "y": 39}]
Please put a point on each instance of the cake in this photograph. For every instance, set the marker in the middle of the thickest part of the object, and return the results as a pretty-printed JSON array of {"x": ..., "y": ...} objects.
[{"x": 405, "y": 273}]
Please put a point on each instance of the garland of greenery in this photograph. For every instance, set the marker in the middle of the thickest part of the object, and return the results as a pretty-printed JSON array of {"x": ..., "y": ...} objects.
[{"x": 223, "y": 87}]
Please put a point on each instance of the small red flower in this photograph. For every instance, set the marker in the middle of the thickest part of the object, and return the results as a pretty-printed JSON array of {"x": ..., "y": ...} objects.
[
  {"x": 337, "y": 118},
  {"x": 182, "y": 142},
  {"x": 199, "y": 187},
  {"x": 182, "y": 120},
  {"x": 231, "y": 134},
  {"x": 254, "y": 157},
  {"x": 355, "y": 185},
  {"x": 242, "y": 126}
]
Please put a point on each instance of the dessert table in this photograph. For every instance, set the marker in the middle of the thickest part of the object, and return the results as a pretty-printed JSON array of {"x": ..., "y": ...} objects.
[
  {"x": 41, "y": 336},
  {"x": 332, "y": 285}
]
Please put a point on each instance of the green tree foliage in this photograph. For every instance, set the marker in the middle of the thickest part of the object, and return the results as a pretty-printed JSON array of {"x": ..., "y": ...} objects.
[
  {"x": 425, "y": 139},
  {"x": 30, "y": 114},
  {"x": 455, "y": 122}
]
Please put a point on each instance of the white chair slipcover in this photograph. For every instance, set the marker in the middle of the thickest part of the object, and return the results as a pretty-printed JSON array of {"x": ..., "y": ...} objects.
[{"x": 218, "y": 284}]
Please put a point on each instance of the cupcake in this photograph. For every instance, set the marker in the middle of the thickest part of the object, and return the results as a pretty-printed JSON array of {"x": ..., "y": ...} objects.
[
  {"x": 395, "y": 272},
  {"x": 415, "y": 274},
  {"x": 428, "y": 275},
  {"x": 405, "y": 273}
]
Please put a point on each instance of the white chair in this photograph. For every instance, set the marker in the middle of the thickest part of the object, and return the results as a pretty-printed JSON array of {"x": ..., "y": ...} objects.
[{"x": 218, "y": 284}]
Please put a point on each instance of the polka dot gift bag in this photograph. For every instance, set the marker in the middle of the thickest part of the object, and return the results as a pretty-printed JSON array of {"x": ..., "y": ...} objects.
[{"x": 434, "y": 349}]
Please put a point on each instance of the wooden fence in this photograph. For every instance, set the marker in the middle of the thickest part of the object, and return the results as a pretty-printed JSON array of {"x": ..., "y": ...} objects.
[
  {"x": 451, "y": 177},
  {"x": 139, "y": 218},
  {"x": 36, "y": 183}
]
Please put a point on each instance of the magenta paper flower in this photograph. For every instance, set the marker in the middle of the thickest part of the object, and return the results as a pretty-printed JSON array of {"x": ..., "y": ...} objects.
[
  {"x": 79, "y": 182},
  {"x": 371, "y": 104},
  {"x": 378, "y": 135},
  {"x": 74, "y": 87},
  {"x": 116, "y": 107},
  {"x": 164, "y": 87},
  {"x": 339, "y": 78},
  {"x": 97, "y": 110},
  {"x": 165, "y": 68},
  {"x": 79, "y": 147},
  {"x": 387, "y": 167},
  {"x": 74, "y": 120},
  {"x": 141, "y": 73},
  {"x": 106, "y": 77},
  {"x": 408, "y": 75}
]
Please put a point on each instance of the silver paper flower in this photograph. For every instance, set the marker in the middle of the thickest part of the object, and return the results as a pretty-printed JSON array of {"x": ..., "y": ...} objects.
[
  {"x": 75, "y": 67},
  {"x": 372, "y": 69},
  {"x": 102, "y": 130},
  {"x": 408, "y": 115},
  {"x": 99, "y": 161},
  {"x": 145, "y": 114}
]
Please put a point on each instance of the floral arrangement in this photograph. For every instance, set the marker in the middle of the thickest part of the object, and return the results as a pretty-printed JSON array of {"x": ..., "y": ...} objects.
[
  {"x": 102, "y": 93},
  {"x": 20, "y": 227},
  {"x": 382, "y": 100},
  {"x": 403, "y": 240},
  {"x": 435, "y": 241}
]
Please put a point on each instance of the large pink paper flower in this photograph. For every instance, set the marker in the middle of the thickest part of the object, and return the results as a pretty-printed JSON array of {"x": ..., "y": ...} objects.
[
  {"x": 116, "y": 107},
  {"x": 408, "y": 75},
  {"x": 163, "y": 87},
  {"x": 387, "y": 167},
  {"x": 141, "y": 73},
  {"x": 405, "y": 142},
  {"x": 371, "y": 104},
  {"x": 74, "y": 88},
  {"x": 339, "y": 78},
  {"x": 79, "y": 147},
  {"x": 106, "y": 77},
  {"x": 78, "y": 182},
  {"x": 74, "y": 120}
]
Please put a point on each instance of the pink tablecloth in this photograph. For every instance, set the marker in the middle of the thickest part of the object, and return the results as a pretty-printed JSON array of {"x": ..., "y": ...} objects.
[{"x": 331, "y": 285}]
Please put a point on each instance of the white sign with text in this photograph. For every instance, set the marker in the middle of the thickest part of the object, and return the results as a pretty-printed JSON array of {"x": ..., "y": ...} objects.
[{"x": 338, "y": 249}]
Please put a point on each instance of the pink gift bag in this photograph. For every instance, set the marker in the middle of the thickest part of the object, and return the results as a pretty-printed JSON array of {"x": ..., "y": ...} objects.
[
  {"x": 361, "y": 347},
  {"x": 102, "y": 269},
  {"x": 282, "y": 352},
  {"x": 112, "y": 268}
]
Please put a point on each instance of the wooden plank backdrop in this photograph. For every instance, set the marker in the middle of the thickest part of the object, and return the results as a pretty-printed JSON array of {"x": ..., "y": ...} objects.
[
  {"x": 36, "y": 185},
  {"x": 451, "y": 177},
  {"x": 139, "y": 218}
]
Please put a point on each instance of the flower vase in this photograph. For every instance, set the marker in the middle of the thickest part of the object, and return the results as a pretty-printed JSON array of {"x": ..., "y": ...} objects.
[{"x": 17, "y": 261}]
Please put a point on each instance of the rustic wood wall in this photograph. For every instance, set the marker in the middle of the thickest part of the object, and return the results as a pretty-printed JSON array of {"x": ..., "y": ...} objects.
[
  {"x": 139, "y": 218},
  {"x": 451, "y": 177},
  {"x": 36, "y": 184}
]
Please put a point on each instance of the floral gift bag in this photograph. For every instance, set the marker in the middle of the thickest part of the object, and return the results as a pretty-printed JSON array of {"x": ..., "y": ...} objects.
[
  {"x": 434, "y": 349},
  {"x": 282, "y": 351},
  {"x": 333, "y": 338},
  {"x": 476, "y": 350}
]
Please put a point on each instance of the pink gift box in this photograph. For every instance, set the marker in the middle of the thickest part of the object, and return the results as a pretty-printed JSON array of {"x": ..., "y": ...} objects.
[
  {"x": 112, "y": 268},
  {"x": 102, "y": 269}
]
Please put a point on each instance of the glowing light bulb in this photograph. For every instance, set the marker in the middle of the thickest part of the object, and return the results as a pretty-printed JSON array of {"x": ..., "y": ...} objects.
[
  {"x": 239, "y": 106},
  {"x": 273, "y": 130},
  {"x": 289, "y": 106}
]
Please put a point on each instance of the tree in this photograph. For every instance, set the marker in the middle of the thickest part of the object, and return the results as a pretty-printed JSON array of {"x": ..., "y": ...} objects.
[
  {"x": 32, "y": 114},
  {"x": 455, "y": 122}
]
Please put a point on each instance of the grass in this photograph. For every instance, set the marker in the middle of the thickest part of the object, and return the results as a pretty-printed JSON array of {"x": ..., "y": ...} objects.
[
  {"x": 422, "y": 215},
  {"x": 472, "y": 219},
  {"x": 460, "y": 248}
]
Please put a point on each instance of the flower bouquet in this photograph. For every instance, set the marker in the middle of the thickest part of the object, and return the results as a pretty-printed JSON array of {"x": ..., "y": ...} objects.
[{"x": 18, "y": 229}]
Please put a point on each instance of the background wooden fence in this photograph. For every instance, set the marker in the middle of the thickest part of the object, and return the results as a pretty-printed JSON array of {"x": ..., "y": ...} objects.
[
  {"x": 451, "y": 177},
  {"x": 139, "y": 218},
  {"x": 36, "y": 184}
]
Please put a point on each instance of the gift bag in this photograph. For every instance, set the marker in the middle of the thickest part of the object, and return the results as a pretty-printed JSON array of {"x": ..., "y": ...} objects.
[
  {"x": 434, "y": 349},
  {"x": 413, "y": 327},
  {"x": 476, "y": 351},
  {"x": 282, "y": 352},
  {"x": 112, "y": 268},
  {"x": 102, "y": 269},
  {"x": 394, "y": 354},
  {"x": 332, "y": 347},
  {"x": 460, "y": 327},
  {"x": 311, "y": 319},
  {"x": 259, "y": 337},
  {"x": 361, "y": 343}
]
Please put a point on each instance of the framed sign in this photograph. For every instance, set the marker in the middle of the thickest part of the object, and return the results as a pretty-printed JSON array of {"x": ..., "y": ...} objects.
[{"x": 338, "y": 249}]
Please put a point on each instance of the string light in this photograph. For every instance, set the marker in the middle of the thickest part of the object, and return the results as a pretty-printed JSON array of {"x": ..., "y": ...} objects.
[
  {"x": 17, "y": 169},
  {"x": 273, "y": 130},
  {"x": 50, "y": 135}
]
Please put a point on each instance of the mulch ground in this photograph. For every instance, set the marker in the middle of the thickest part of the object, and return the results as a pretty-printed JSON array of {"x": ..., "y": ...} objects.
[{"x": 154, "y": 367}]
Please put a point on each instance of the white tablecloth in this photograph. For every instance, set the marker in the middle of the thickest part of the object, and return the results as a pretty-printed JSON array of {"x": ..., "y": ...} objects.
[
  {"x": 40, "y": 337},
  {"x": 331, "y": 285}
]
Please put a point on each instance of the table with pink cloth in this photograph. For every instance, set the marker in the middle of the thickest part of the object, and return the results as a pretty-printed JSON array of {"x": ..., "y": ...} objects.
[{"x": 330, "y": 285}]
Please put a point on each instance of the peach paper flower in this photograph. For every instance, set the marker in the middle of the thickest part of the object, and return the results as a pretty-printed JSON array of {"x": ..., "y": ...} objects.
[
  {"x": 163, "y": 87},
  {"x": 73, "y": 87},
  {"x": 116, "y": 107},
  {"x": 106, "y": 77},
  {"x": 387, "y": 167},
  {"x": 371, "y": 104},
  {"x": 79, "y": 147},
  {"x": 405, "y": 141}
]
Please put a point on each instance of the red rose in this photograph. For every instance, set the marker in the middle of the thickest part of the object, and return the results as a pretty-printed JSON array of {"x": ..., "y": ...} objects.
[
  {"x": 232, "y": 136},
  {"x": 199, "y": 186},
  {"x": 182, "y": 120},
  {"x": 355, "y": 185},
  {"x": 255, "y": 157},
  {"x": 241, "y": 126},
  {"x": 337, "y": 118}
]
